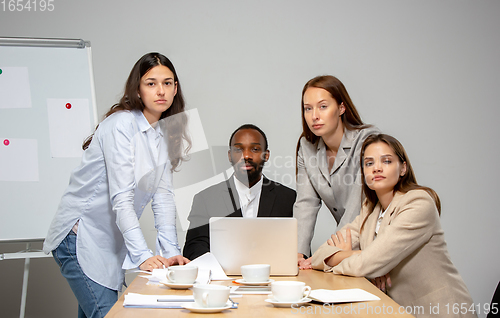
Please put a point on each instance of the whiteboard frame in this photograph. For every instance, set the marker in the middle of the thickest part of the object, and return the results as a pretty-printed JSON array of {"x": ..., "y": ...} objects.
[{"x": 77, "y": 44}]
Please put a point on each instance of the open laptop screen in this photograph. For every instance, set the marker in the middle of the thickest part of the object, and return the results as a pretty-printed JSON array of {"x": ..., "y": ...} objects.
[{"x": 242, "y": 241}]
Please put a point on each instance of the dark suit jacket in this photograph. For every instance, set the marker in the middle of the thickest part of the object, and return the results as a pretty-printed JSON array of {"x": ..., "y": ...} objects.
[{"x": 276, "y": 200}]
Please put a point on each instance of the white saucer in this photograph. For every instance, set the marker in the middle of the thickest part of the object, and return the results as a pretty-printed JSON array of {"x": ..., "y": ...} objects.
[
  {"x": 175, "y": 285},
  {"x": 276, "y": 303},
  {"x": 193, "y": 307},
  {"x": 244, "y": 282}
]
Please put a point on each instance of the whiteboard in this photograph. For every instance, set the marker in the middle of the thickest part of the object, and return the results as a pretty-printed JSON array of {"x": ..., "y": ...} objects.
[{"x": 47, "y": 109}]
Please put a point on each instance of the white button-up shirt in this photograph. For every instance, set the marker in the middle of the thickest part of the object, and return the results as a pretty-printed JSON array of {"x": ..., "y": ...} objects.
[
  {"x": 125, "y": 167},
  {"x": 249, "y": 198}
]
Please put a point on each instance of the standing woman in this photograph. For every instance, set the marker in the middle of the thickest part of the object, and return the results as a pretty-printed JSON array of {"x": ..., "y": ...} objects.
[
  {"x": 397, "y": 239},
  {"x": 327, "y": 158},
  {"x": 128, "y": 161}
]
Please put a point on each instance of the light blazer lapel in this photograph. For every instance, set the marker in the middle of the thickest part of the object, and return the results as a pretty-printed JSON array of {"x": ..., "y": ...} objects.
[
  {"x": 321, "y": 160},
  {"x": 392, "y": 207},
  {"x": 369, "y": 228},
  {"x": 344, "y": 148},
  {"x": 339, "y": 159},
  {"x": 267, "y": 197},
  {"x": 389, "y": 215}
]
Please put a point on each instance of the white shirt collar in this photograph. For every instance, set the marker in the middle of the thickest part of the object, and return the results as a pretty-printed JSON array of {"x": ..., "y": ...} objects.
[
  {"x": 144, "y": 125},
  {"x": 380, "y": 218},
  {"x": 242, "y": 188},
  {"x": 249, "y": 197}
]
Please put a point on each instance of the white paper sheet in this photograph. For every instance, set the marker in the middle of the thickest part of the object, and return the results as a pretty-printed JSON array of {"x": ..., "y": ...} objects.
[
  {"x": 249, "y": 290},
  {"x": 69, "y": 125},
  {"x": 342, "y": 295},
  {"x": 207, "y": 262},
  {"x": 15, "y": 89},
  {"x": 160, "y": 274},
  {"x": 18, "y": 159},
  {"x": 156, "y": 301}
]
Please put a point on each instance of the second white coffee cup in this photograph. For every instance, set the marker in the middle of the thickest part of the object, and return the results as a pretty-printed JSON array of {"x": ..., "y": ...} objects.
[
  {"x": 182, "y": 274},
  {"x": 289, "y": 291},
  {"x": 210, "y": 296},
  {"x": 256, "y": 272}
]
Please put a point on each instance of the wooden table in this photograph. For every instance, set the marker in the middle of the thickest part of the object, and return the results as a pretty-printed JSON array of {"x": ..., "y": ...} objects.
[{"x": 255, "y": 305}]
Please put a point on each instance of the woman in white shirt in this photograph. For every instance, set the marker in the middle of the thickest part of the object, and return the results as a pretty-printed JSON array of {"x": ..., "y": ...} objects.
[{"x": 128, "y": 161}]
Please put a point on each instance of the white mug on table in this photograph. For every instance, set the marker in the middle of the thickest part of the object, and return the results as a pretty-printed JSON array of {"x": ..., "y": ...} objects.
[
  {"x": 182, "y": 274},
  {"x": 210, "y": 296},
  {"x": 256, "y": 272}
]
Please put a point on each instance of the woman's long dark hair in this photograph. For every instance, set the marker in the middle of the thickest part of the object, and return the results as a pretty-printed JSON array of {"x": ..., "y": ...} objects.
[
  {"x": 350, "y": 118},
  {"x": 406, "y": 183},
  {"x": 176, "y": 125}
]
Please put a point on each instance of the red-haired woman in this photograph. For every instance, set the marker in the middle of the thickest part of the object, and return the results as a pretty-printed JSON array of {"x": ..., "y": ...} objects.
[{"x": 327, "y": 158}]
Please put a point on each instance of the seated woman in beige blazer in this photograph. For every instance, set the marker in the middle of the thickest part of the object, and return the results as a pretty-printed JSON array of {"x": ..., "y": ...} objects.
[{"x": 397, "y": 238}]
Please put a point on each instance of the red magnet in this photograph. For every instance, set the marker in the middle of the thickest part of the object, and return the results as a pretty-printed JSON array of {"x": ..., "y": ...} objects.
[
  {"x": 6, "y": 142},
  {"x": 68, "y": 106}
]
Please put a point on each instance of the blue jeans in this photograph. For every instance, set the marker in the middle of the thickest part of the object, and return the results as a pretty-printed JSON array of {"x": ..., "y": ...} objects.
[{"x": 94, "y": 300}]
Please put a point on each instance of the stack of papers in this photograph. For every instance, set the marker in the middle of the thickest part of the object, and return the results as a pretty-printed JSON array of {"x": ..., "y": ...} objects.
[
  {"x": 156, "y": 301},
  {"x": 207, "y": 262},
  {"x": 342, "y": 295},
  {"x": 157, "y": 275}
]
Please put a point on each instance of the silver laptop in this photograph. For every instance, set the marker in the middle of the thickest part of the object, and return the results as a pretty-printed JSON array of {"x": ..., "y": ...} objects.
[{"x": 241, "y": 241}]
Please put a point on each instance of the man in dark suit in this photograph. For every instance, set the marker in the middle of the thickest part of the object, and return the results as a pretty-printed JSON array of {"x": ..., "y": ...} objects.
[{"x": 247, "y": 193}]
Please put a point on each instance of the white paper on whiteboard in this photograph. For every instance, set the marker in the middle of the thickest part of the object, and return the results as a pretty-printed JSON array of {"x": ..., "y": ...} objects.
[
  {"x": 14, "y": 87},
  {"x": 69, "y": 125},
  {"x": 195, "y": 129},
  {"x": 18, "y": 159}
]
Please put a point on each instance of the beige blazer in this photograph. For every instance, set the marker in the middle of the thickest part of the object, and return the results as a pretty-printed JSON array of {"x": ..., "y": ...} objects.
[
  {"x": 339, "y": 188},
  {"x": 410, "y": 246}
]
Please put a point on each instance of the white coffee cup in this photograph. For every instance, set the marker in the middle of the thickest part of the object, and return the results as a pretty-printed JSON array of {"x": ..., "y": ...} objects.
[
  {"x": 289, "y": 291},
  {"x": 210, "y": 296},
  {"x": 182, "y": 274},
  {"x": 256, "y": 272}
]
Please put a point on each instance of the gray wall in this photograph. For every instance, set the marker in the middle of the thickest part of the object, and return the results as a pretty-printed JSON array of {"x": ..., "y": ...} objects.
[{"x": 425, "y": 71}]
